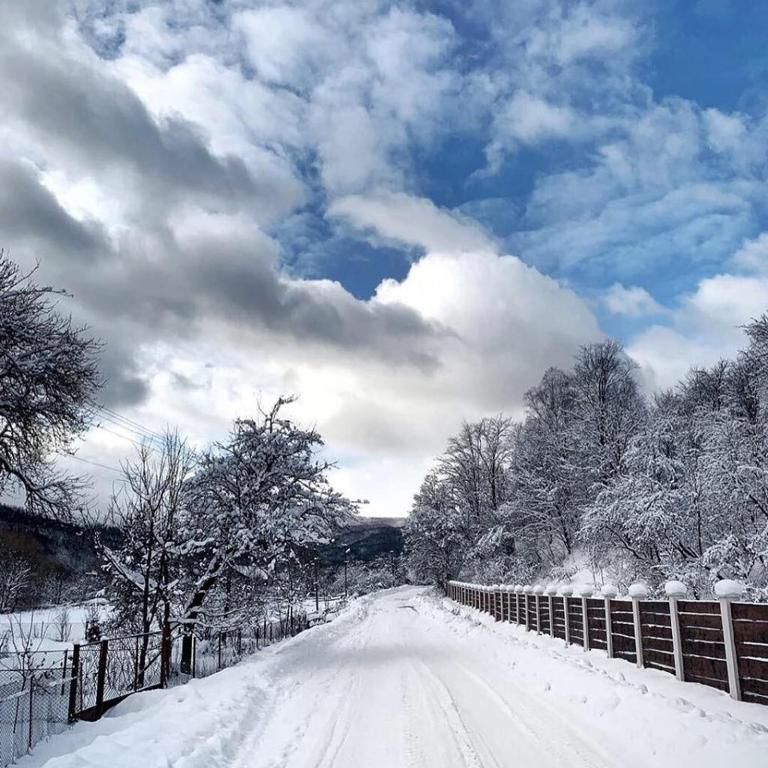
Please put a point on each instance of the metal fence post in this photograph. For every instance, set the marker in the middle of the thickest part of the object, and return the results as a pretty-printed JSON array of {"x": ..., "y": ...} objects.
[
  {"x": 31, "y": 708},
  {"x": 101, "y": 677},
  {"x": 637, "y": 592},
  {"x": 726, "y": 591},
  {"x": 165, "y": 656},
  {"x": 73, "y": 682},
  {"x": 586, "y": 592},
  {"x": 674, "y": 591},
  {"x": 609, "y": 592}
]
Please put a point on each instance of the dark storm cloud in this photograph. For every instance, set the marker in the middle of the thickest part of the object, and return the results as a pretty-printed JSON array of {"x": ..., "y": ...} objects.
[
  {"x": 151, "y": 280},
  {"x": 101, "y": 123},
  {"x": 123, "y": 383},
  {"x": 30, "y": 214}
]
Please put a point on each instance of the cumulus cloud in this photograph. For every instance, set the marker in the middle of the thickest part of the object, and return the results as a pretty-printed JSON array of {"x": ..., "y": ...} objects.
[
  {"x": 412, "y": 220},
  {"x": 632, "y": 301},
  {"x": 706, "y": 326},
  {"x": 153, "y": 151}
]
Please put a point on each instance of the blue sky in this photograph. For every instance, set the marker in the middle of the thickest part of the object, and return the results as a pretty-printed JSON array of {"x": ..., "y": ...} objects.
[{"x": 404, "y": 212}]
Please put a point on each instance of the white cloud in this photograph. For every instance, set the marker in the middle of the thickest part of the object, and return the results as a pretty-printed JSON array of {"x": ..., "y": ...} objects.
[
  {"x": 753, "y": 254},
  {"x": 412, "y": 220},
  {"x": 530, "y": 119},
  {"x": 580, "y": 34},
  {"x": 633, "y": 301},
  {"x": 285, "y": 44},
  {"x": 706, "y": 327}
]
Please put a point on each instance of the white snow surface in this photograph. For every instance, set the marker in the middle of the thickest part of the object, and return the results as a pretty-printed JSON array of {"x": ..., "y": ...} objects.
[
  {"x": 729, "y": 588},
  {"x": 406, "y": 678}
]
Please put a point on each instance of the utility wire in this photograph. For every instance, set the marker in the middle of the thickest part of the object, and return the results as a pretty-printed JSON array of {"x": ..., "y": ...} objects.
[{"x": 93, "y": 463}]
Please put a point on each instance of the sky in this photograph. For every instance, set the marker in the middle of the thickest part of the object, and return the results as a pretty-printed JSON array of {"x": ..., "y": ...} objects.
[{"x": 402, "y": 212}]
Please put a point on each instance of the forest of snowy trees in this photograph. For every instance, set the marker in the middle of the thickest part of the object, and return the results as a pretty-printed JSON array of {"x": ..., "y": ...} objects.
[{"x": 599, "y": 476}]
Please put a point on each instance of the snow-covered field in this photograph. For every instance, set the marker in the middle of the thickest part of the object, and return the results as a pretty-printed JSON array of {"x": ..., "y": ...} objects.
[{"x": 405, "y": 678}]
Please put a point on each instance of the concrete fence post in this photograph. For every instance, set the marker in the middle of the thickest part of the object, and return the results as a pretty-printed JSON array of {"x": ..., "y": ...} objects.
[
  {"x": 586, "y": 592},
  {"x": 637, "y": 592},
  {"x": 608, "y": 592},
  {"x": 566, "y": 591},
  {"x": 538, "y": 591},
  {"x": 551, "y": 592},
  {"x": 674, "y": 591},
  {"x": 727, "y": 591}
]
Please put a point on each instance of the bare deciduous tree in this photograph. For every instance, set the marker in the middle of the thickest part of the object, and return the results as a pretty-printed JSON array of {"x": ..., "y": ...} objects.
[{"x": 48, "y": 378}]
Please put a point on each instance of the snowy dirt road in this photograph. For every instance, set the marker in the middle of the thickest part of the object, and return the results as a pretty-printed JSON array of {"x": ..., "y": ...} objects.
[
  {"x": 398, "y": 688},
  {"x": 403, "y": 679}
]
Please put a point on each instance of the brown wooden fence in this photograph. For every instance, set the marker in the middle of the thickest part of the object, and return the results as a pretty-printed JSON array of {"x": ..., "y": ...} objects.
[{"x": 721, "y": 643}]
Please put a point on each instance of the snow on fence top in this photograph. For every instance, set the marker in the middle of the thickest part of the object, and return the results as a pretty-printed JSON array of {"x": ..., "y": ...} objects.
[{"x": 721, "y": 643}]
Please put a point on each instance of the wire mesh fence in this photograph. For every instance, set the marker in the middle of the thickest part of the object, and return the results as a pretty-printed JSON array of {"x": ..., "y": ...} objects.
[
  {"x": 43, "y": 693},
  {"x": 34, "y": 704}
]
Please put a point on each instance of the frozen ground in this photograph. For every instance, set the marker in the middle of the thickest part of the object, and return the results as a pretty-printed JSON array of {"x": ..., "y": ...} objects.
[{"x": 404, "y": 678}]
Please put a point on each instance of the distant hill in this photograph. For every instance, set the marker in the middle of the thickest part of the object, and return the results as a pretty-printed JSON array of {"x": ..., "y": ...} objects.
[
  {"x": 365, "y": 539},
  {"x": 59, "y": 554}
]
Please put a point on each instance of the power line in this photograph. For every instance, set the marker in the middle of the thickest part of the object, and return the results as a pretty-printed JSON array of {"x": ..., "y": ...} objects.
[
  {"x": 131, "y": 422},
  {"x": 93, "y": 463},
  {"x": 147, "y": 435}
]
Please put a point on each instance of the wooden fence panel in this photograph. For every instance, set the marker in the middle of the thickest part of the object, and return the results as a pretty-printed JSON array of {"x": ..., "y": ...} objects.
[
  {"x": 623, "y": 630},
  {"x": 701, "y": 631},
  {"x": 596, "y": 623},
  {"x": 656, "y": 630},
  {"x": 559, "y": 617},
  {"x": 544, "y": 614},
  {"x": 750, "y": 633},
  {"x": 532, "y": 612},
  {"x": 576, "y": 621}
]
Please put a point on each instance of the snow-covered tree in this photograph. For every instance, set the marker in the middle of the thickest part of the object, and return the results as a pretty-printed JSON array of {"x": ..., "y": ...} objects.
[
  {"x": 257, "y": 500},
  {"x": 48, "y": 378},
  {"x": 436, "y": 535},
  {"x": 144, "y": 571},
  {"x": 15, "y": 580}
]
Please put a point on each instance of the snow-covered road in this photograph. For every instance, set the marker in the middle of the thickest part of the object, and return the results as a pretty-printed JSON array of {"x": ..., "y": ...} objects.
[
  {"x": 403, "y": 678},
  {"x": 398, "y": 688}
]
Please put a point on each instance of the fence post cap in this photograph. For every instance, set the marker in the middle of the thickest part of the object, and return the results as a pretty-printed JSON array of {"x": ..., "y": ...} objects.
[
  {"x": 638, "y": 590},
  {"x": 538, "y": 589},
  {"x": 527, "y": 589},
  {"x": 609, "y": 591},
  {"x": 675, "y": 589},
  {"x": 729, "y": 589},
  {"x": 566, "y": 590},
  {"x": 586, "y": 590}
]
